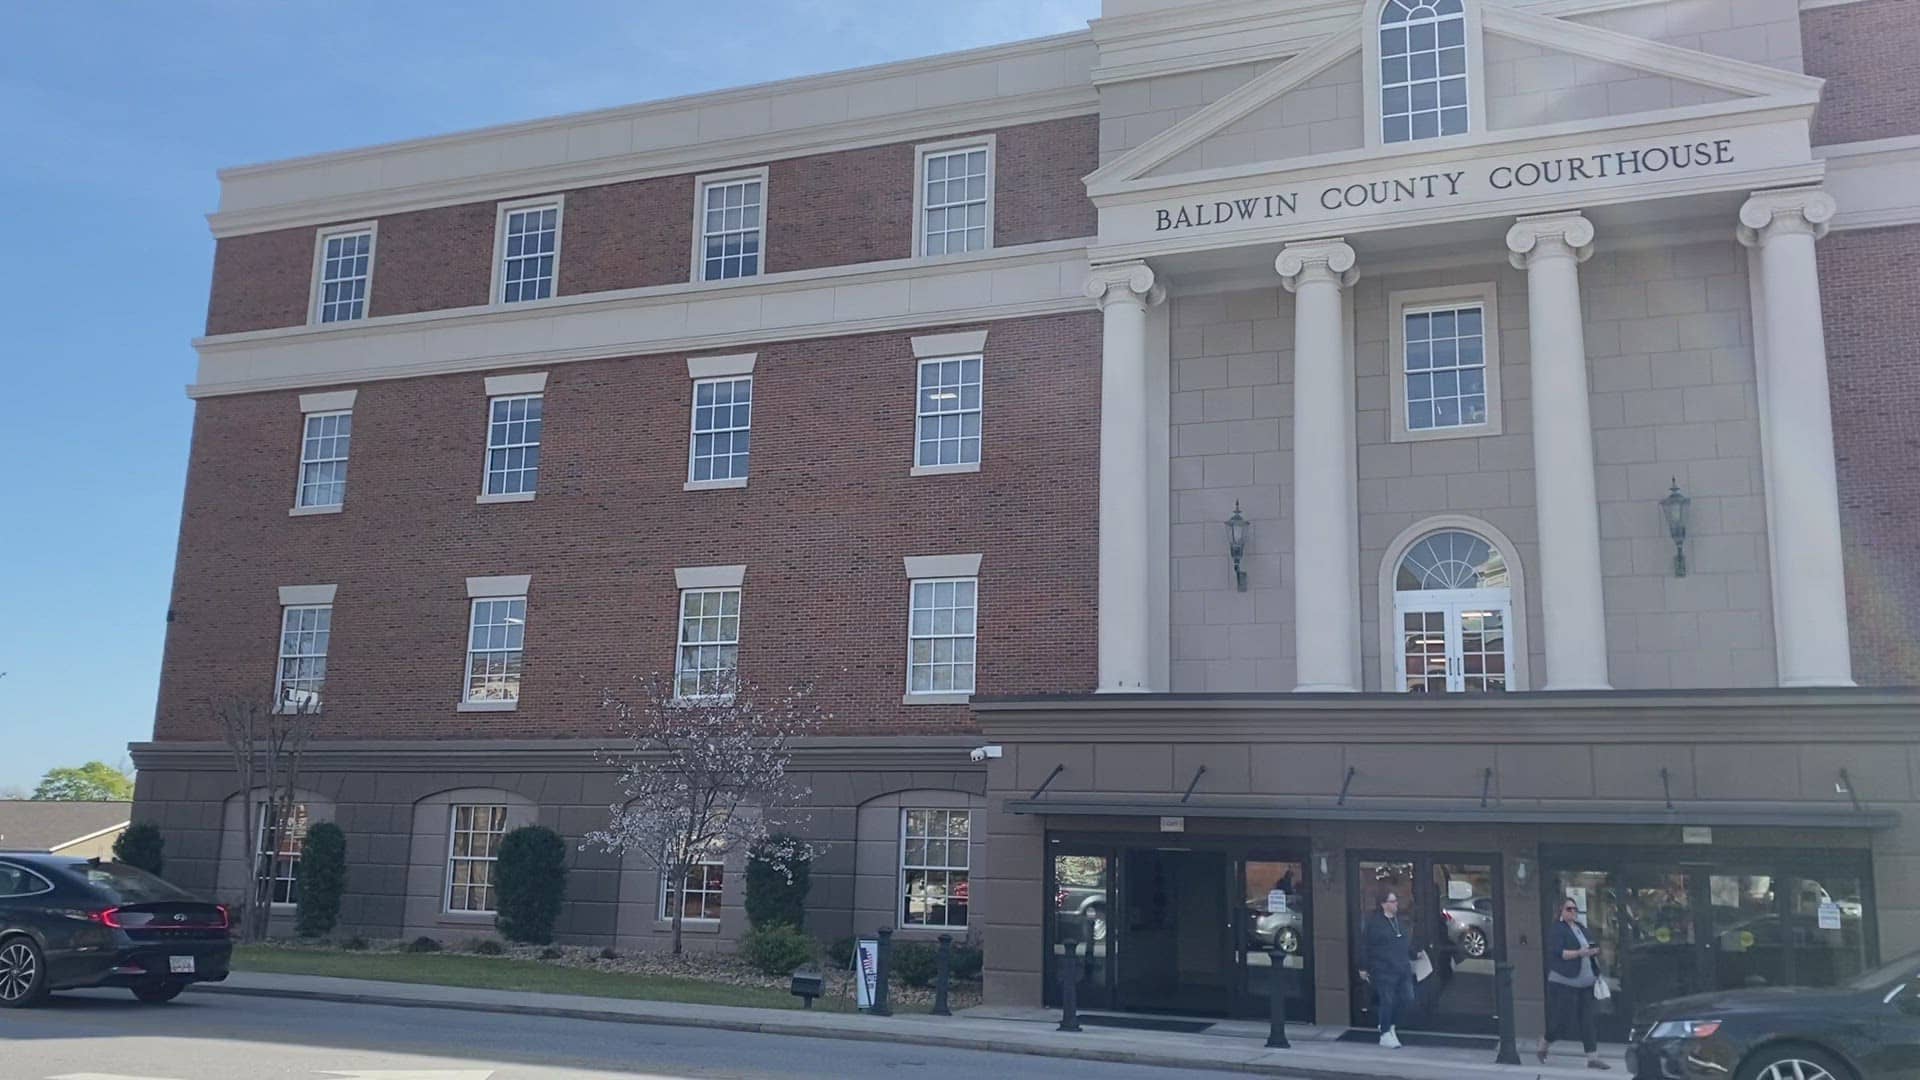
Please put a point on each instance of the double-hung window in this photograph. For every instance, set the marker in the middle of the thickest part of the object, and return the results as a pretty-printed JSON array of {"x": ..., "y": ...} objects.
[
  {"x": 529, "y": 250},
  {"x": 1446, "y": 344},
  {"x": 345, "y": 274},
  {"x": 495, "y": 638},
  {"x": 281, "y": 847},
  {"x": 731, "y": 232},
  {"x": 722, "y": 429},
  {"x": 934, "y": 867},
  {"x": 942, "y": 627},
  {"x": 948, "y": 408},
  {"x": 709, "y": 653},
  {"x": 698, "y": 897},
  {"x": 513, "y": 444},
  {"x": 326, "y": 437},
  {"x": 301, "y": 678},
  {"x": 473, "y": 845},
  {"x": 956, "y": 198}
]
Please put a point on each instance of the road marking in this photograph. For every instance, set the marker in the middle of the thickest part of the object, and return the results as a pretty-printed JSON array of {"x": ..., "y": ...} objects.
[
  {"x": 415, "y": 1074},
  {"x": 104, "y": 1076}
]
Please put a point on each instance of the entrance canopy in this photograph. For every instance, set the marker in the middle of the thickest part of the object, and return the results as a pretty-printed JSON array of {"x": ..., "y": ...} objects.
[{"x": 1764, "y": 815}]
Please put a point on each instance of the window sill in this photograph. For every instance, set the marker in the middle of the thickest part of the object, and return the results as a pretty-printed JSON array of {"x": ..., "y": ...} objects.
[
  {"x": 309, "y": 511},
  {"x": 959, "y": 932},
  {"x": 464, "y": 918},
  {"x": 1465, "y": 431},
  {"x": 943, "y": 470},
  {"x": 689, "y": 926},
  {"x": 507, "y": 497},
  {"x": 487, "y": 706},
  {"x": 936, "y": 699},
  {"x": 714, "y": 485}
]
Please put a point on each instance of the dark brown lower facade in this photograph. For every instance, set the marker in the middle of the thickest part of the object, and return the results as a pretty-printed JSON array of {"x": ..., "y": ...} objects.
[{"x": 1192, "y": 853}]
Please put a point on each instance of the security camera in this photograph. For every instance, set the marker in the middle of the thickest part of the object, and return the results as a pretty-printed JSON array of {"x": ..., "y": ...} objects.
[{"x": 984, "y": 753}]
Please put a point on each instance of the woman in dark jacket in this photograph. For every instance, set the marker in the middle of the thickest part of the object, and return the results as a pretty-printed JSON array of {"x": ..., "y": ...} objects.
[{"x": 1571, "y": 973}]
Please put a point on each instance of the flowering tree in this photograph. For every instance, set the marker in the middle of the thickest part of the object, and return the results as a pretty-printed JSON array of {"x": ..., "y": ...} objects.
[{"x": 705, "y": 776}]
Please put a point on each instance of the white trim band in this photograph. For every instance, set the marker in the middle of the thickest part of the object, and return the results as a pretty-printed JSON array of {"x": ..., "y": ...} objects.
[
  {"x": 527, "y": 382},
  {"x": 502, "y": 585},
  {"x": 710, "y": 577},
  {"x": 329, "y": 401},
  {"x": 942, "y": 566},
  {"x": 933, "y": 346},
  {"x": 302, "y": 595},
  {"x": 719, "y": 367}
]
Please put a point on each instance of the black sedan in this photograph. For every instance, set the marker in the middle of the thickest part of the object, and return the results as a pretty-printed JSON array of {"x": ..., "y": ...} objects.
[
  {"x": 67, "y": 923},
  {"x": 1867, "y": 1029}
]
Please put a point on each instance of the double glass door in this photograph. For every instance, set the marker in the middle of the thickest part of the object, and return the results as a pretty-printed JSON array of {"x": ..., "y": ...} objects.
[
  {"x": 1454, "y": 641},
  {"x": 1450, "y": 910}
]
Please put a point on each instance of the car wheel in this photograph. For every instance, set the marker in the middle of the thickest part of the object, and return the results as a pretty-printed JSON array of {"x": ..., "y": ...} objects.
[
  {"x": 1474, "y": 942},
  {"x": 23, "y": 973},
  {"x": 158, "y": 994},
  {"x": 1792, "y": 1062},
  {"x": 1289, "y": 941}
]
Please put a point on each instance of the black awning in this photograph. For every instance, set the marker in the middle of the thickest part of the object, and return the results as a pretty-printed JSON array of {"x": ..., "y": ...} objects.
[{"x": 1728, "y": 814}]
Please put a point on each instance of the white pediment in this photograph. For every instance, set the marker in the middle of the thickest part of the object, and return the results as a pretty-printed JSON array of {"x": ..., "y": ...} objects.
[{"x": 1536, "y": 71}]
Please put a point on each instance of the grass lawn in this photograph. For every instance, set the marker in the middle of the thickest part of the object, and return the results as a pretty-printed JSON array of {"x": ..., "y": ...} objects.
[{"x": 500, "y": 973}]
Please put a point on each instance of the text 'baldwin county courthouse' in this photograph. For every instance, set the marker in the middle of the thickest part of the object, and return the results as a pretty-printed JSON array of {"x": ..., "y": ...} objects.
[{"x": 940, "y": 382}]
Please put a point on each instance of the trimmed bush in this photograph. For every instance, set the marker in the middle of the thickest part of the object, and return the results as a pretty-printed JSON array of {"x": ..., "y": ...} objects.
[
  {"x": 967, "y": 961},
  {"x": 777, "y": 883},
  {"x": 608, "y": 953},
  {"x": 487, "y": 946},
  {"x": 551, "y": 953},
  {"x": 423, "y": 943},
  {"x": 355, "y": 944},
  {"x": 322, "y": 878},
  {"x": 530, "y": 884},
  {"x": 141, "y": 846},
  {"x": 776, "y": 949},
  {"x": 840, "y": 954},
  {"x": 914, "y": 963}
]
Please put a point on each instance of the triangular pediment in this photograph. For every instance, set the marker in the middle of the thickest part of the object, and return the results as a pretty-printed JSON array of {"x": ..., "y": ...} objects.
[{"x": 1535, "y": 72}]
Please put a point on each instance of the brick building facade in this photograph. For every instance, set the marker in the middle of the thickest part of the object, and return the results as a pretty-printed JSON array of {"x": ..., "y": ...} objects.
[{"x": 1434, "y": 301}]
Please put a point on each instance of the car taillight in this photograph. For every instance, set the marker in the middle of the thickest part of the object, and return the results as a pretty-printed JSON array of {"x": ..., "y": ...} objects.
[
  {"x": 109, "y": 918},
  {"x": 1447, "y": 916},
  {"x": 225, "y": 919}
]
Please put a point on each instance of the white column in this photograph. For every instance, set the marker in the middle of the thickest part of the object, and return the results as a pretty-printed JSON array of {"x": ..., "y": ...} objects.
[
  {"x": 1809, "y": 574},
  {"x": 1326, "y": 586},
  {"x": 1126, "y": 655},
  {"x": 1550, "y": 248}
]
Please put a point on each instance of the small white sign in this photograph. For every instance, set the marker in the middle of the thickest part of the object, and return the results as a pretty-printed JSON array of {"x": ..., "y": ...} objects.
[
  {"x": 1173, "y": 824},
  {"x": 1276, "y": 902},
  {"x": 1696, "y": 834},
  {"x": 1829, "y": 916},
  {"x": 866, "y": 970}
]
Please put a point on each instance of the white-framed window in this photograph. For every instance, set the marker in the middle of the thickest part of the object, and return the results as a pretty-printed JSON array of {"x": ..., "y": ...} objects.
[
  {"x": 325, "y": 440},
  {"x": 1424, "y": 91},
  {"x": 513, "y": 444},
  {"x": 729, "y": 234},
  {"x": 698, "y": 896},
  {"x": 343, "y": 273},
  {"x": 948, "y": 408},
  {"x": 496, "y": 635},
  {"x": 301, "y": 677},
  {"x": 527, "y": 255},
  {"x": 954, "y": 199},
  {"x": 282, "y": 847},
  {"x": 1446, "y": 344},
  {"x": 709, "y": 654},
  {"x": 722, "y": 429},
  {"x": 1453, "y": 609},
  {"x": 942, "y": 627},
  {"x": 473, "y": 843},
  {"x": 934, "y": 862}
]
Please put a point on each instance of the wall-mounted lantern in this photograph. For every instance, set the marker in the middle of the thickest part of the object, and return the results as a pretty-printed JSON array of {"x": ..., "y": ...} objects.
[
  {"x": 1323, "y": 868},
  {"x": 1237, "y": 546},
  {"x": 1674, "y": 508}
]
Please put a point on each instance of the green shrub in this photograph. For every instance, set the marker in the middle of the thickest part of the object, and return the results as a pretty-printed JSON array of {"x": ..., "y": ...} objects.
[
  {"x": 967, "y": 961},
  {"x": 355, "y": 944},
  {"x": 912, "y": 963},
  {"x": 487, "y": 946},
  {"x": 609, "y": 954},
  {"x": 322, "y": 878},
  {"x": 423, "y": 943},
  {"x": 530, "y": 884},
  {"x": 776, "y": 949},
  {"x": 779, "y": 875},
  {"x": 551, "y": 953},
  {"x": 840, "y": 954},
  {"x": 142, "y": 846}
]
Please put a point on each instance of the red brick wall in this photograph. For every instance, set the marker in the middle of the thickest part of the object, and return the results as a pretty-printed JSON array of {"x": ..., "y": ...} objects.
[
  {"x": 1865, "y": 52},
  {"x": 836, "y": 209},
  {"x": 1868, "y": 282},
  {"x": 822, "y": 528}
]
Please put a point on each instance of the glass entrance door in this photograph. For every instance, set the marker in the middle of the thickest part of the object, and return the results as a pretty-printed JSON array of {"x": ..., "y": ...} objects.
[
  {"x": 1174, "y": 931},
  {"x": 1275, "y": 938},
  {"x": 1454, "y": 641},
  {"x": 1080, "y": 936},
  {"x": 1450, "y": 907}
]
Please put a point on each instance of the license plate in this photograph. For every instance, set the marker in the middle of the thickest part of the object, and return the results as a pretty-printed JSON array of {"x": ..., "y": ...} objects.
[{"x": 180, "y": 965}]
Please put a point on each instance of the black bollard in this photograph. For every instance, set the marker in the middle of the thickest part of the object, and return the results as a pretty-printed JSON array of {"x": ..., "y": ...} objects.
[
  {"x": 1503, "y": 1002},
  {"x": 880, "y": 974},
  {"x": 944, "y": 973},
  {"x": 1277, "y": 1008},
  {"x": 1070, "y": 988}
]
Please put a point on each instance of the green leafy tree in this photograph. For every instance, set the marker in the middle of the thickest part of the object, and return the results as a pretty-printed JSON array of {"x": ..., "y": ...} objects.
[
  {"x": 779, "y": 875},
  {"x": 96, "y": 781},
  {"x": 142, "y": 846},
  {"x": 321, "y": 879},
  {"x": 530, "y": 884}
]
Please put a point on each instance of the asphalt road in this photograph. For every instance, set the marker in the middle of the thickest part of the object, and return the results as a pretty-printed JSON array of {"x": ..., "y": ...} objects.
[{"x": 106, "y": 1035}]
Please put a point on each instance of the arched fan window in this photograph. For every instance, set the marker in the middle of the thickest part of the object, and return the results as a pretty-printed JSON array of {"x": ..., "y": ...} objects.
[
  {"x": 1455, "y": 612},
  {"x": 1423, "y": 69},
  {"x": 1451, "y": 560}
]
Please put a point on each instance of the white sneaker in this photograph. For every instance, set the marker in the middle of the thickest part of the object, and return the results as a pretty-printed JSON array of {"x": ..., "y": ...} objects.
[{"x": 1389, "y": 1040}]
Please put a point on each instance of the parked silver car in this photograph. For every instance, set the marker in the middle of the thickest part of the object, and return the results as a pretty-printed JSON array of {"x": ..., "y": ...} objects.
[{"x": 1470, "y": 925}]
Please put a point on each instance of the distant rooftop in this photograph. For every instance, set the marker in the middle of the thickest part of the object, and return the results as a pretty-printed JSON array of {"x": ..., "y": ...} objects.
[{"x": 36, "y": 825}]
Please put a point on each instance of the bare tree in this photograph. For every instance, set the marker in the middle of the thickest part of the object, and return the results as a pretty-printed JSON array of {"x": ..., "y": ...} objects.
[
  {"x": 266, "y": 743},
  {"x": 705, "y": 777}
]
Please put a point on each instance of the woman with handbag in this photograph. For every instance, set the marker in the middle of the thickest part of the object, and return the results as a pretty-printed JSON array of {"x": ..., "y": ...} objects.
[{"x": 1574, "y": 985}]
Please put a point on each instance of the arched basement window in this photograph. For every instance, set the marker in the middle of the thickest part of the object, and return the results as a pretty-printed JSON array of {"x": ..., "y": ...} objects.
[
  {"x": 1423, "y": 69},
  {"x": 1455, "y": 610}
]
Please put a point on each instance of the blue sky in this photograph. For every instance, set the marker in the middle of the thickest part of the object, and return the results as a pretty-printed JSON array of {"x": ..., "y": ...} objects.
[{"x": 119, "y": 114}]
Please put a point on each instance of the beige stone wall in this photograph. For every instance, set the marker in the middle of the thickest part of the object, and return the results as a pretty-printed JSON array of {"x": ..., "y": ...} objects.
[
  {"x": 1321, "y": 116},
  {"x": 1759, "y": 31}
]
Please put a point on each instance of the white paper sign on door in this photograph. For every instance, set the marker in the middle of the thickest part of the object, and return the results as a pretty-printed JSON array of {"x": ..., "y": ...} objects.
[{"x": 1829, "y": 916}]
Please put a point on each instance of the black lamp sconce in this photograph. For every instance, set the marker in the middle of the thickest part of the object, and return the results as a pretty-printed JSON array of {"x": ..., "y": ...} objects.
[{"x": 1237, "y": 546}]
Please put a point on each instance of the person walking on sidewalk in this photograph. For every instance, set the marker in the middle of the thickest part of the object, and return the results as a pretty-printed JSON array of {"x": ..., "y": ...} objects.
[
  {"x": 1572, "y": 972},
  {"x": 1386, "y": 964}
]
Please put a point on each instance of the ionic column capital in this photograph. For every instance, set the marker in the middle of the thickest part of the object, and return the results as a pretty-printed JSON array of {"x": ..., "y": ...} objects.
[
  {"x": 1806, "y": 211},
  {"x": 1548, "y": 236},
  {"x": 1124, "y": 283},
  {"x": 1316, "y": 260}
]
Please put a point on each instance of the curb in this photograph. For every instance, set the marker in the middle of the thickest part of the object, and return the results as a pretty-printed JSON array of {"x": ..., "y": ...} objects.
[{"x": 877, "y": 1034}]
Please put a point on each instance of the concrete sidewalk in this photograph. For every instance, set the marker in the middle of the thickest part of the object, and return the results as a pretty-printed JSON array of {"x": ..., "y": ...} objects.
[{"x": 1228, "y": 1046}]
